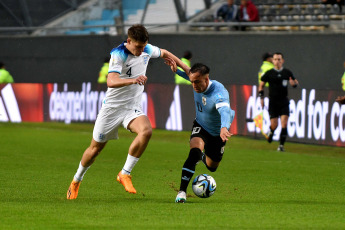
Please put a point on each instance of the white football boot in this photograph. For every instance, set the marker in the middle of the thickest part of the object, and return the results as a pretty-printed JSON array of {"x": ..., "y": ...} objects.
[{"x": 181, "y": 197}]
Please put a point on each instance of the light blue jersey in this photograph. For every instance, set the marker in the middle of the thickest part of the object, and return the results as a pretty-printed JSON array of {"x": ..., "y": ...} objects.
[{"x": 212, "y": 107}]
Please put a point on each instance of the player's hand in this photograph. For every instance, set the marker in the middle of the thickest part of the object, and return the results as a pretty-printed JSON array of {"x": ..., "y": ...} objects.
[
  {"x": 293, "y": 82},
  {"x": 141, "y": 80},
  {"x": 225, "y": 134},
  {"x": 340, "y": 99},
  {"x": 170, "y": 62}
]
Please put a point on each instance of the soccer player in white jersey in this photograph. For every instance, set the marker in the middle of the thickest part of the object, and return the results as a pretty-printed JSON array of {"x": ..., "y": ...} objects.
[
  {"x": 212, "y": 123},
  {"x": 122, "y": 105}
]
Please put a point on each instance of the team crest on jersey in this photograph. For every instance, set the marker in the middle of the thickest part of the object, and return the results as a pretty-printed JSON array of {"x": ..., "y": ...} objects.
[
  {"x": 285, "y": 83},
  {"x": 145, "y": 59},
  {"x": 204, "y": 100}
]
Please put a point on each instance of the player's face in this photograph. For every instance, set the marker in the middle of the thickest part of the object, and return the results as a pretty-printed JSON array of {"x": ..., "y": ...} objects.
[
  {"x": 199, "y": 82},
  {"x": 135, "y": 47},
  {"x": 278, "y": 61}
]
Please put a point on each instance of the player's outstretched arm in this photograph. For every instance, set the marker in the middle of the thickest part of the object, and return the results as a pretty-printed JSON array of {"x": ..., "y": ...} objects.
[
  {"x": 114, "y": 80},
  {"x": 170, "y": 62},
  {"x": 166, "y": 54}
]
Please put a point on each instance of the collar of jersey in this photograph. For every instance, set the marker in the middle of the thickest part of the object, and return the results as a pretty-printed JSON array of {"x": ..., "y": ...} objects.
[
  {"x": 279, "y": 70},
  {"x": 208, "y": 87},
  {"x": 125, "y": 48}
]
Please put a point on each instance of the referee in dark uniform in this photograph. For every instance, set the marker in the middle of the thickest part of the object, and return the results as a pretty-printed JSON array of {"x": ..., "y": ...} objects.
[{"x": 278, "y": 79}]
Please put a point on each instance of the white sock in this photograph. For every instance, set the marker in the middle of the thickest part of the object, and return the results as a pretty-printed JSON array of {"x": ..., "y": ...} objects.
[
  {"x": 129, "y": 165},
  {"x": 80, "y": 172}
]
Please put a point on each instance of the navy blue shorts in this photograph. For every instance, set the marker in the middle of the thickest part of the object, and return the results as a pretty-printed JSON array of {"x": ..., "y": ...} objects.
[{"x": 214, "y": 146}]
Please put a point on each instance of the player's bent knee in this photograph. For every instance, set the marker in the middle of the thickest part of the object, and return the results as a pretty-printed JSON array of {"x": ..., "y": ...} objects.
[
  {"x": 211, "y": 169},
  {"x": 147, "y": 133},
  {"x": 195, "y": 153}
]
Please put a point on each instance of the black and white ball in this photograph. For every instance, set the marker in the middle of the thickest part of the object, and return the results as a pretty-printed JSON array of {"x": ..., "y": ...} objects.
[{"x": 204, "y": 186}]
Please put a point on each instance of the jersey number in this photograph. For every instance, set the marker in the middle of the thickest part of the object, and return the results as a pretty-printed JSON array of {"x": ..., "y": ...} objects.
[
  {"x": 199, "y": 107},
  {"x": 196, "y": 130},
  {"x": 129, "y": 72}
]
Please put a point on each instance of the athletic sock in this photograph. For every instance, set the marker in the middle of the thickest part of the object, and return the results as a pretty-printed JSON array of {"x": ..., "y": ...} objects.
[
  {"x": 80, "y": 172},
  {"x": 129, "y": 165},
  {"x": 203, "y": 158},
  {"x": 283, "y": 135},
  {"x": 189, "y": 167}
]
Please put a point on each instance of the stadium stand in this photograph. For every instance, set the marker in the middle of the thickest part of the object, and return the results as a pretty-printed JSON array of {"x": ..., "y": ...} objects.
[
  {"x": 85, "y": 17},
  {"x": 158, "y": 11},
  {"x": 285, "y": 15},
  {"x": 33, "y": 13}
]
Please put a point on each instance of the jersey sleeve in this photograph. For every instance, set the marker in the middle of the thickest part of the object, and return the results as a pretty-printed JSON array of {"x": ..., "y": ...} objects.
[
  {"x": 118, "y": 57},
  {"x": 226, "y": 113},
  {"x": 264, "y": 77},
  {"x": 291, "y": 75},
  {"x": 153, "y": 51},
  {"x": 226, "y": 116},
  {"x": 182, "y": 74}
]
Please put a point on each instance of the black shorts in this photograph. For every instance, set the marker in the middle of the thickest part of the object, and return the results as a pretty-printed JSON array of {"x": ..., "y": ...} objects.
[
  {"x": 276, "y": 109},
  {"x": 214, "y": 146}
]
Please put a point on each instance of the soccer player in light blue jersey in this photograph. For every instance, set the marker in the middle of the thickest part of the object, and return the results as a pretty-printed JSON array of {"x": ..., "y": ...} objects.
[
  {"x": 122, "y": 106},
  {"x": 212, "y": 123}
]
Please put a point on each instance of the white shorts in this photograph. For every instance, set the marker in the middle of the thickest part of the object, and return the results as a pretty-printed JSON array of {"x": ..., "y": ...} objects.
[{"x": 109, "y": 119}]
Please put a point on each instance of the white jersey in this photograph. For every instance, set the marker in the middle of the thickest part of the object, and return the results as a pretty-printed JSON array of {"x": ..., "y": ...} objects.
[{"x": 122, "y": 61}]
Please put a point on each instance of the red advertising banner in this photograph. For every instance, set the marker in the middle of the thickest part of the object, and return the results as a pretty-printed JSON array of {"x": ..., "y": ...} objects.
[{"x": 315, "y": 117}]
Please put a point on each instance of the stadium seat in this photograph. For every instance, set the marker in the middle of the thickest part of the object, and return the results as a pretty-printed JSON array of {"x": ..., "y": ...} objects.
[
  {"x": 277, "y": 18},
  {"x": 284, "y": 10},
  {"x": 323, "y": 9},
  {"x": 325, "y": 17},
  {"x": 309, "y": 9},
  {"x": 272, "y": 10},
  {"x": 110, "y": 14},
  {"x": 296, "y": 10},
  {"x": 335, "y": 9},
  {"x": 314, "y": 18},
  {"x": 261, "y": 9},
  {"x": 100, "y": 22},
  {"x": 264, "y": 19},
  {"x": 289, "y": 18},
  {"x": 301, "y": 18}
]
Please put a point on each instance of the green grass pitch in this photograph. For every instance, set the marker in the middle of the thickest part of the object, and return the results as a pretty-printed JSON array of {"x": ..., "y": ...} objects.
[{"x": 257, "y": 187}]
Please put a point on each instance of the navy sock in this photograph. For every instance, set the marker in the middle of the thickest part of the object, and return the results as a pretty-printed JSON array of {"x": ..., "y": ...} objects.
[
  {"x": 283, "y": 135},
  {"x": 189, "y": 167}
]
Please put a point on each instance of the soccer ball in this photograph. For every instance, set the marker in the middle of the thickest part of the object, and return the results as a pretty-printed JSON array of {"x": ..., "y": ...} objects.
[{"x": 204, "y": 186}]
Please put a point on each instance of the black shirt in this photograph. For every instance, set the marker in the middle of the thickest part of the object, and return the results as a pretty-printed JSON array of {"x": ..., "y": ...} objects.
[{"x": 278, "y": 82}]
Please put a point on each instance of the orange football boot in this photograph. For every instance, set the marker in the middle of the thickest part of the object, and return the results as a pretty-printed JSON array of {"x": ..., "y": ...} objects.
[
  {"x": 126, "y": 181},
  {"x": 72, "y": 192}
]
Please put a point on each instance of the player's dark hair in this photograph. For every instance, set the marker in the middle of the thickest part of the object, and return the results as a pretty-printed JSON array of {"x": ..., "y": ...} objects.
[
  {"x": 267, "y": 55},
  {"x": 1, "y": 65},
  {"x": 187, "y": 55},
  {"x": 200, "y": 68},
  {"x": 138, "y": 33},
  {"x": 279, "y": 53}
]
